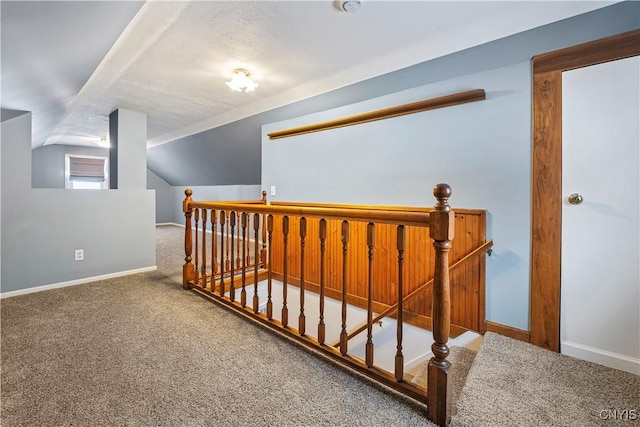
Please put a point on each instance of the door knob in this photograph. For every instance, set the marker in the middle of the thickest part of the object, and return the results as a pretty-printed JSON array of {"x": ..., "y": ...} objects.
[{"x": 575, "y": 199}]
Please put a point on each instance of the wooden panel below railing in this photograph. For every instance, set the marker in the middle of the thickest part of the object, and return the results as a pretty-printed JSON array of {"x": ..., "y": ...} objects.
[{"x": 467, "y": 282}]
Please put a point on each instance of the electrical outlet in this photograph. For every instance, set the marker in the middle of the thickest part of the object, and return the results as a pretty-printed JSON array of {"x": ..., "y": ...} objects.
[
  {"x": 79, "y": 254},
  {"x": 273, "y": 190}
]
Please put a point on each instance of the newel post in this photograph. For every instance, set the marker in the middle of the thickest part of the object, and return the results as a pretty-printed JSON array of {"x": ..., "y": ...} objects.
[
  {"x": 441, "y": 226},
  {"x": 188, "y": 270}
]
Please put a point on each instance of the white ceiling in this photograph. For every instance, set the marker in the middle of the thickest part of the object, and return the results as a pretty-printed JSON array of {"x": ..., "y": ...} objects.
[{"x": 173, "y": 57}]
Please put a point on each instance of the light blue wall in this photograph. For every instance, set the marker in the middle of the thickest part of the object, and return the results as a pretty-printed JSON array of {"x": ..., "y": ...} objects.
[
  {"x": 481, "y": 149},
  {"x": 41, "y": 228}
]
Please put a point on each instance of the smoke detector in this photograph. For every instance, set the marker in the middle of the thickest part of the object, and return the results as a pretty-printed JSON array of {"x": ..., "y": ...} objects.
[{"x": 350, "y": 6}]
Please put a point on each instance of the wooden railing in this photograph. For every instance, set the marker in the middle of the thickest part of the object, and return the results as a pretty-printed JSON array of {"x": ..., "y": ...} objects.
[{"x": 242, "y": 244}]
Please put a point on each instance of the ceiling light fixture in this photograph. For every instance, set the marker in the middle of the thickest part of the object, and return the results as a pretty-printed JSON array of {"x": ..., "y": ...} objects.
[
  {"x": 351, "y": 6},
  {"x": 241, "y": 81},
  {"x": 104, "y": 142}
]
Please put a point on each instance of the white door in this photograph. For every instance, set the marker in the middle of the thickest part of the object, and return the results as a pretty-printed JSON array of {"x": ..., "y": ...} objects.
[{"x": 600, "y": 291}]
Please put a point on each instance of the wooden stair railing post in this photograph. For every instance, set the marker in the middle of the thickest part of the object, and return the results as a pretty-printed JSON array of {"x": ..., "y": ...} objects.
[
  {"x": 188, "y": 267},
  {"x": 323, "y": 237},
  {"x": 243, "y": 292},
  {"x": 301, "y": 317},
  {"x": 345, "y": 249},
  {"x": 270, "y": 265},
  {"x": 196, "y": 274},
  {"x": 369, "y": 345},
  {"x": 232, "y": 287},
  {"x": 400, "y": 241},
  {"x": 285, "y": 238},
  {"x": 256, "y": 227},
  {"x": 441, "y": 228}
]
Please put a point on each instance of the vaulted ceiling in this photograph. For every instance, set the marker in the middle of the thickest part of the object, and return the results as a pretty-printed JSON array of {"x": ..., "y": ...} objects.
[{"x": 72, "y": 63}]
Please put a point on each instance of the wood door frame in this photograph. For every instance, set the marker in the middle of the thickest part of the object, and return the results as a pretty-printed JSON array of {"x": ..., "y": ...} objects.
[{"x": 546, "y": 176}]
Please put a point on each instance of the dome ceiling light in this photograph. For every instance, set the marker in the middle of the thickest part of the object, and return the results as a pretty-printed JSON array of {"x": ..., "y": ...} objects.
[
  {"x": 241, "y": 81},
  {"x": 351, "y": 6}
]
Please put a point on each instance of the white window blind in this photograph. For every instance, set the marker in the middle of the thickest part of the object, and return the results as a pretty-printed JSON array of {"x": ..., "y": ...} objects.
[{"x": 86, "y": 168}]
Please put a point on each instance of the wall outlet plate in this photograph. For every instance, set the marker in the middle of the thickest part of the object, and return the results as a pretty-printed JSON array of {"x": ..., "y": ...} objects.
[{"x": 79, "y": 254}]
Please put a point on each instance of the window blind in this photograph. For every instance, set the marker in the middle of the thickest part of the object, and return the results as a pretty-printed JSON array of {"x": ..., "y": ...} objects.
[{"x": 86, "y": 168}]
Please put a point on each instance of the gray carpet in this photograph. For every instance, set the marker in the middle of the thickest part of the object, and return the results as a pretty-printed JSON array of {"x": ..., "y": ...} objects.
[
  {"x": 461, "y": 359},
  {"x": 512, "y": 383},
  {"x": 141, "y": 351}
]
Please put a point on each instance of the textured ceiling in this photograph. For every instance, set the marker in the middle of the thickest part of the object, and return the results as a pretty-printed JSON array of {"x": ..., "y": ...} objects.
[{"x": 173, "y": 57}]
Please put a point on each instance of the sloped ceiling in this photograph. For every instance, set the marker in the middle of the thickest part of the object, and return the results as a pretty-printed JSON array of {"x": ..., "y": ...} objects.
[{"x": 72, "y": 63}]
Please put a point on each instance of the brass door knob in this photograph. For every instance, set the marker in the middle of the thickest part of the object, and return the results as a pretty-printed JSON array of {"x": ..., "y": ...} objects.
[{"x": 575, "y": 199}]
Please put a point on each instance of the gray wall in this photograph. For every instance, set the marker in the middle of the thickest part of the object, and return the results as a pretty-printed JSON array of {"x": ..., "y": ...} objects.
[
  {"x": 164, "y": 211},
  {"x": 128, "y": 150},
  {"x": 208, "y": 193},
  {"x": 41, "y": 228},
  {"x": 482, "y": 149},
  {"x": 47, "y": 163}
]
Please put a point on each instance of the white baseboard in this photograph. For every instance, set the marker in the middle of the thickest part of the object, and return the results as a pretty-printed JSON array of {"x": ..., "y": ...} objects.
[
  {"x": 169, "y": 223},
  {"x": 76, "y": 282},
  {"x": 601, "y": 357}
]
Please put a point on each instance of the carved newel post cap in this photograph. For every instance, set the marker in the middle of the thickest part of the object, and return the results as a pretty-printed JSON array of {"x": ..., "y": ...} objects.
[
  {"x": 264, "y": 193},
  {"x": 188, "y": 192},
  {"x": 442, "y": 192}
]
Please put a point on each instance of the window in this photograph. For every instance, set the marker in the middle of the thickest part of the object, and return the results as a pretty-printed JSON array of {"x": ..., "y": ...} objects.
[{"x": 86, "y": 172}]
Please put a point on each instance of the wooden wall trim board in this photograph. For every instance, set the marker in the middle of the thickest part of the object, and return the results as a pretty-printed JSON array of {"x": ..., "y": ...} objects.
[
  {"x": 546, "y": 203},
  {"x": 508, "y": 331},
  {"x": 385, "y": 113}
]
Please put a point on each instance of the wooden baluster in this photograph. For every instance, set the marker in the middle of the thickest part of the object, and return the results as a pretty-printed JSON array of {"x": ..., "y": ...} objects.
[
  {"x": 256, "y": 227},
  {"x": 441, "y": 226},
  {"x": 269, "y": 266},
  {"x": 232, "y": 287},
  {"x": 369, "y": 345},
  {"x": 400, "y": 241},
  {"x": 248, "y": 243},
  {"x": 263, "y": 251},
  {"x": 223, "y": 216},
  {"x": 196, "y": 278},
  {"x": 243, "y": 293},
  {"x": 203, "y": 269},
  {"x": 323, "y": 236},
  {"x": 227, "y": 262},
  {"x": 237, "y": 250},
  {"x": 187, "y": 268},
  {"x": 285, "y": 239},
  {"x": 214, "y": 248},
  {"x": 345, "y": 244},
  {"x": 303, "y": 235}
]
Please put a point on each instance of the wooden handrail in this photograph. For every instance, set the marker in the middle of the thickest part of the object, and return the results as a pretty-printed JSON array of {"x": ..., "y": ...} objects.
[
  {"x": 420, "y": 219},
  {"x": 410, "y": 296},
  {"x": 385, "y": 113},
  {"x": 373, "y": 207}
]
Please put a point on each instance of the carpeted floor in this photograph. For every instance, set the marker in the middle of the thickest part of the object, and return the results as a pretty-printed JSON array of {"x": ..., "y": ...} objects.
[
  {"x": 512, "y": 383},
  {"x": 141, "y": 351}
]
